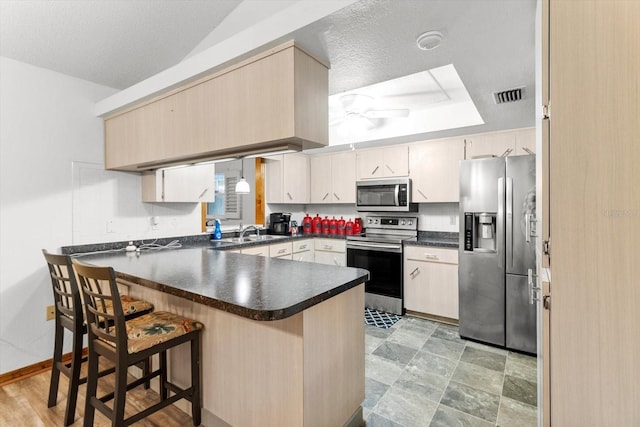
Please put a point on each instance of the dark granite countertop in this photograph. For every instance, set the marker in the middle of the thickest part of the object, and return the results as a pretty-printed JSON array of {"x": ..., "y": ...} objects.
[
  {"x": 259, "y": 288},
  {"x": 435, "y": 239}
]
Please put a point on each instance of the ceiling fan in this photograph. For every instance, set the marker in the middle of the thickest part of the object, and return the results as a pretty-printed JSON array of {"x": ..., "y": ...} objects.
[{"x": 357, "y": 115}]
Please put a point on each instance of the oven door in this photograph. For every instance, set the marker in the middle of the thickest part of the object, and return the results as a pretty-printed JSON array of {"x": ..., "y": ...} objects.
[{"x": 384, "y": 262}]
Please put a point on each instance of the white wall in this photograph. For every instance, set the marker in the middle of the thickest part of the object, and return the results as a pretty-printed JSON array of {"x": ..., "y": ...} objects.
[{"x": 52, "y": 194}]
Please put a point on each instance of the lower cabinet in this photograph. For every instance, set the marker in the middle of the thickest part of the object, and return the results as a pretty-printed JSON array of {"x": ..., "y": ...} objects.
[
  {"x": 330, "y": 251},
  {"x": 303, "y": 250},
  {"x": 256, "y": 250},
  {"x": 280, "y": 250},
  {"x": 431, "y": 281}
]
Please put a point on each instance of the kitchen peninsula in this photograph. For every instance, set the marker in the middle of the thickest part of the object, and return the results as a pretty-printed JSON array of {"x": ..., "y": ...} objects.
[{"x": 283, "y": 343}]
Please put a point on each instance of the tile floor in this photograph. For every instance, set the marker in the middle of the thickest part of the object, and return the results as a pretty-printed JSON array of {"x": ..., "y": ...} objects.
[{"x": 420, "y": 373}]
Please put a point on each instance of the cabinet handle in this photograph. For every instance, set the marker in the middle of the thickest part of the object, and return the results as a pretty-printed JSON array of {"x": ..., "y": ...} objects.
[
  {"x": 532, "y": 288},
  {"x": 303, "y": 246},
  {"x": 431, "y": 256},
  {"x": 336, "y": 196},
  {"x": 414, "y": 272},
  {"x": 289, "y": 194},
  {"x": 422, "y": 194},
  {"x": 325, "y": 196},
  {"x": 203, "y": 193},
  {"x": 507, "y": 152},
  {"x": 300, "y": 259},
  {"x": 283, "y": 250},
  {"x": 526, "y": 150},
  {"x": 374, "y": 171},
  {"x": 327, "y": 247},
  {"x": 390, "y": 170},
  {"x": 335, "y": 261}
]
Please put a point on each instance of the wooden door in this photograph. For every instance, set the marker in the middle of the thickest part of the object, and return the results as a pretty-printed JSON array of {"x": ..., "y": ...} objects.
[
  {"x": 595, "y": 212},
  {"x": 433, "y": 167}
]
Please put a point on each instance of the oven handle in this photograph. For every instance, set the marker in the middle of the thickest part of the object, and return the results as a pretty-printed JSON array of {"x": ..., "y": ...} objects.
[{"x": 375, "y": 246}]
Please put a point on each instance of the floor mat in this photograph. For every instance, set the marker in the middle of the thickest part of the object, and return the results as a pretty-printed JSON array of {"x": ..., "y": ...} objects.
[{"x": 379, "y": 319}]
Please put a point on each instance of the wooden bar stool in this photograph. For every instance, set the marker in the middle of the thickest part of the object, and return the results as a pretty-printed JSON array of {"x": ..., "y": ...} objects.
[
  {"x": 127, "y": 342},
  {"x": 69, "y": 315}
]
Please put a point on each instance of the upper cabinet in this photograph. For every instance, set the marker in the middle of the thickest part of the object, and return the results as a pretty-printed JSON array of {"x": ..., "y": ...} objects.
[
  {"x": 508, "y": 143},
  {"x": 276, "y": 98},
  {"x": 385, "y": 162},
  {"x": 333, "y": 178},
  {"x": 183, "y": 184},
  {"x": 287, "y": 178},
  {"x": 433, "y": 169}
]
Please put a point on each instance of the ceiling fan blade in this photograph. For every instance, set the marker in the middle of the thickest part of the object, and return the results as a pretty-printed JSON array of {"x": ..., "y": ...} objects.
[{"x": 382, "y": 114}]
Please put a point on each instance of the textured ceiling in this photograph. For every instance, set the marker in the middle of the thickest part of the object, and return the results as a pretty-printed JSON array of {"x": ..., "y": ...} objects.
[
  {"x": 119, "y": 43},
  {"x": 115, "y": 43}
]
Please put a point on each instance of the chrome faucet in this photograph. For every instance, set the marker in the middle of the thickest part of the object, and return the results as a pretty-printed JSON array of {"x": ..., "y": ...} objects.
[{"x": 250, "y": 227}]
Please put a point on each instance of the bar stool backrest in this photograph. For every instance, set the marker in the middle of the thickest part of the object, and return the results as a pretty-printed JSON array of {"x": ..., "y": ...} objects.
[
  {"x": 105, "y": 316},
  {"x": 66, "y": 294}
]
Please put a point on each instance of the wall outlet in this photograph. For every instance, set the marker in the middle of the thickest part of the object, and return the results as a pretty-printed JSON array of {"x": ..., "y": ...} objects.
[
  {"x": 51, "y": 312},
  {"x": 453, "y": 220}
]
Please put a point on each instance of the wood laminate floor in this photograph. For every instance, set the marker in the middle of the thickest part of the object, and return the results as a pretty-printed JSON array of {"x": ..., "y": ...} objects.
[{"x": 24, "y": 404}]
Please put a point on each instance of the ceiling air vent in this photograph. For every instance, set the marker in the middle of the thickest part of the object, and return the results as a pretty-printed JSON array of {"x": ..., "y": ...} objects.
[{"x": 509, "y": 95}]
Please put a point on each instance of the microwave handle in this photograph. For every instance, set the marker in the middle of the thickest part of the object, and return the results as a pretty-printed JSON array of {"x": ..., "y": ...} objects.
[{"x": 397, "y": 194}]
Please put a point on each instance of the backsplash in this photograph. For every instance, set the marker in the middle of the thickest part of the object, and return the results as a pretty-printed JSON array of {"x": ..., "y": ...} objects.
[{"x": 431, "y": 216}]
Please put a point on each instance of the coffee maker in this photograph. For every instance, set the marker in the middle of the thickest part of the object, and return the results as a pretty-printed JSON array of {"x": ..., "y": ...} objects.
[{"x": 279, "y": 223}]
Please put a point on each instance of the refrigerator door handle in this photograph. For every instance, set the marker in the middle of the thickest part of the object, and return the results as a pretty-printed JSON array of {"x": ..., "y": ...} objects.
[
  {"x": 533, "y": 290},
  {"x": 509, "y": 224},
  {"x": 500, "y": 218}
]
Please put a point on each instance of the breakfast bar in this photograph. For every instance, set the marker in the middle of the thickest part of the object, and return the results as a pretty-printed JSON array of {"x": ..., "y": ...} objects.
[{"x": 283, "y": 343}]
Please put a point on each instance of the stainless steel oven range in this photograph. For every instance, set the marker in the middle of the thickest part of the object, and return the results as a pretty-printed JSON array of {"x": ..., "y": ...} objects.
[{"x": 379, "y": 250}]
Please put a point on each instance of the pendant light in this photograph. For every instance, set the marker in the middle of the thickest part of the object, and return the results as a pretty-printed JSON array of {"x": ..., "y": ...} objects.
[{"x": 242, "y": 187}]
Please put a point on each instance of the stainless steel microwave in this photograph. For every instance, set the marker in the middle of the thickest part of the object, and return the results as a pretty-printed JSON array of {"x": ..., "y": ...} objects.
[{"x": 385, "y": 195}]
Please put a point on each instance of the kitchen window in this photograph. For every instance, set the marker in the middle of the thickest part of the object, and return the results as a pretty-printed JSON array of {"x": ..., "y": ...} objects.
[{"x": 228, "y": 204}]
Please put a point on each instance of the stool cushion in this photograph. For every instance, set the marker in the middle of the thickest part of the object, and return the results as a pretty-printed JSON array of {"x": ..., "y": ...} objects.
[
  {"x": 154, "y": 328},
  {"x": 130, "y": 305}
]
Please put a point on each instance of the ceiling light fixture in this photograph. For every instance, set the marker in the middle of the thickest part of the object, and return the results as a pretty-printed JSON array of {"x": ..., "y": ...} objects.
[
  {"x": 242, "y": 186},
  {"x": 429, "y": 40}
]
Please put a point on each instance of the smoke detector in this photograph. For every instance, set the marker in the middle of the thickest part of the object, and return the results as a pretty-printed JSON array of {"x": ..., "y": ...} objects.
[{"x": 429, "y": 40}]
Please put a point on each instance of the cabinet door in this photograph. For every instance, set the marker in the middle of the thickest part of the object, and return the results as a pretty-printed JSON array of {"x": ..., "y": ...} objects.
[
  {"x": 273, "y": 172},
  {"x": 295, "y": 178},
  {"x": 330, "y": 258},
  {"x": 369, "y": 164},
  {"x": 190, "y": 184},
  {"x": 431, "y": 288},
  {"x": 279, "y": 250},
  {"x": 306, "y": 256},
  {"x": 525, "y": 141},
  {"x": 395, "y": 161},
  {"x": 320, "y": 179},
  {"x": 185, "y": 184},
  {"x": 343, "y": 177},
  {"x": 433, "y": 167},
  {"x": 490, "y": 144}
]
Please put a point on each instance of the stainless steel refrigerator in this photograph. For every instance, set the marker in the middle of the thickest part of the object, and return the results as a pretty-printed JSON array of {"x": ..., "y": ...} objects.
[{"x": 497, "y": 252}]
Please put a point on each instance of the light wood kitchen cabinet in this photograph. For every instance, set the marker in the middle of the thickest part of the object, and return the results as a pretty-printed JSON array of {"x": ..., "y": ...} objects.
[
  {"x": 303, "y": 250},
  {"x": 333, "y": 178},
  {"x": 262, "y": 250},
  {"x": 280, "y": 250},
  {"x": 276, "y": 98},
  {"x": 496, "y": 144},
  {"x": 330, "y": 251},
  {"x": 385, "y": 162},
  {"x": 431, "y": 281},
  {"x": 287, "y": 179},
  {"x": 433, "y": 169},
  {"x": 184, "y": 184},
  {"x": 525, "y": 141}
]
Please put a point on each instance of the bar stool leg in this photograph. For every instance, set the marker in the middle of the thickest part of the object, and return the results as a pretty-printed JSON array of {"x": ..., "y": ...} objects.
[
  {"x": 119, "y": 397},
  {"x": 55, "y": 370},
  {"x": 146, "y": 370},
  {"x": 74, "y": 378},
  {"x": 196, "y": 408},
  {"x": 92, "y": 386},
  {"x": 164, "y": 392}
]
